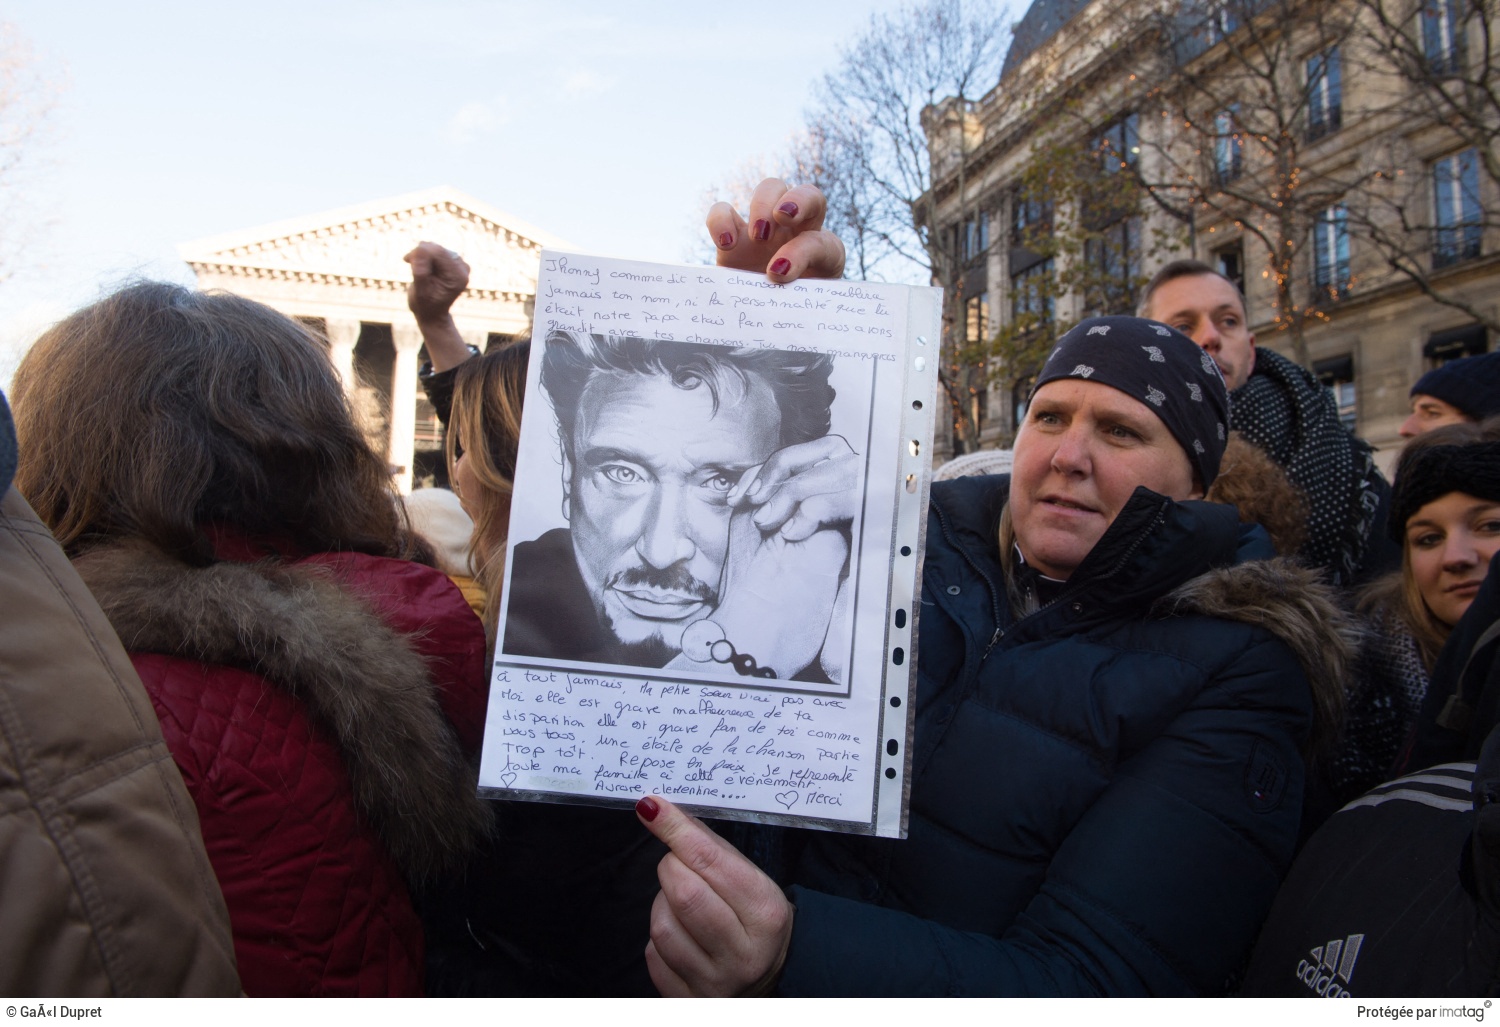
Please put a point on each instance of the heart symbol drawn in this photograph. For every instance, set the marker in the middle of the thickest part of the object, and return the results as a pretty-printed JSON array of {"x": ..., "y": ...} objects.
[
  {"x": 787, "y": 799},
  {"x": 508, "y": 780}
]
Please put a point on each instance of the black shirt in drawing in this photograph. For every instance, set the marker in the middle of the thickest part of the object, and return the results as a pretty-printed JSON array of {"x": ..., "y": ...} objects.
[{"x": 550, "y": 614}]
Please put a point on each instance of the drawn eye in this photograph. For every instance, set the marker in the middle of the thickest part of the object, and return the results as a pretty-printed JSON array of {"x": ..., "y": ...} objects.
[
  {"x": 621, "y": 474},
  {"x": 722, "y": 483}
]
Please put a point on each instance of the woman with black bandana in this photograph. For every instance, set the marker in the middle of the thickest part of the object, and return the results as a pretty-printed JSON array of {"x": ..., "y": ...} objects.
[{"x": 1112, "y": 709}]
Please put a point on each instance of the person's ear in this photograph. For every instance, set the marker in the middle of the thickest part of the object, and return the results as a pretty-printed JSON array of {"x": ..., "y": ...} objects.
[{"x": 567, "y": 485}]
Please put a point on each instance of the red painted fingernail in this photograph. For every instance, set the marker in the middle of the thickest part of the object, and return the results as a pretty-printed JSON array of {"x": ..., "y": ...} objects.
[
  {"x": 726, "y": 240},
  {"x": 788, "y": 208},
  {"x": 762, "y": 230},
  {"x": 780, "y": 266},
  {"x": 647, "y": 809}
]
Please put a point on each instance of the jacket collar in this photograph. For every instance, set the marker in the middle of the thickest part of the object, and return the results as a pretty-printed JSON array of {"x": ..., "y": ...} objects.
[{"x": 1153, "y": 546}]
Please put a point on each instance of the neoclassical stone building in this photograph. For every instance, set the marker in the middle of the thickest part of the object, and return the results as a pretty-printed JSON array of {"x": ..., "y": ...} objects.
[
  {"x": 341, "y": 272},
  {"x": 1079, "y": 68}
]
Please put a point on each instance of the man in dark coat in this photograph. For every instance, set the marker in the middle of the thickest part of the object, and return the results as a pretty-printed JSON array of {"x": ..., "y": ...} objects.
[{"x": 1282, "y": 408}]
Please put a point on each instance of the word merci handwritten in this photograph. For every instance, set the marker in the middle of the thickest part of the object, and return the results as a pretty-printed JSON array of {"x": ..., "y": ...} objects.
[
  {"x": 553, "y": 730},
  {"x": 717, "y": 306}
]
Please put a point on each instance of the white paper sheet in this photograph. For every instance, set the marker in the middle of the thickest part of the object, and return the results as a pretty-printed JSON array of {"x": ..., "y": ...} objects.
[{"x": 650, "y": 592}]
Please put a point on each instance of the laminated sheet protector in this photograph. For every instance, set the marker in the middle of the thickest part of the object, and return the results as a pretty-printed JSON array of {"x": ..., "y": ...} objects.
[{"x": 715, "y": 545}]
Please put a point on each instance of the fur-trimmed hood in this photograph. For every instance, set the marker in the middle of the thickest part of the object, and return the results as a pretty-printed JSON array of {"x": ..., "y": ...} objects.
[
  {"x": 359, "y": 679},
  {"x": 1296, "y": 605}
]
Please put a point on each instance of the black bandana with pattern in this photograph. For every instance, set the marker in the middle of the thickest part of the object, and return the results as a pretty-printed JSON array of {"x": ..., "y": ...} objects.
[{"x": 1159, "y": 366}]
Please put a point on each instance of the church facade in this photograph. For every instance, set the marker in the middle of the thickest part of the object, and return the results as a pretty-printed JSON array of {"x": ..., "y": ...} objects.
[{"x": 341, "y": 272}]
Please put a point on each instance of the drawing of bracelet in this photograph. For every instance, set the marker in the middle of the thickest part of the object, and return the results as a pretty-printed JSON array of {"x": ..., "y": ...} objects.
[{"x": 703, "y": 641}]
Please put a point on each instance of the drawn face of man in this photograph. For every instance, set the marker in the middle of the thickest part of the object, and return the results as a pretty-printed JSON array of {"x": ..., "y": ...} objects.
[{"x": 652, "y": 465}]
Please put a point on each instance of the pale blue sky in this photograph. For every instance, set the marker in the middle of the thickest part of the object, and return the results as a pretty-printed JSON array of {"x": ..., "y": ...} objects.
[{"x": 601, "y": 122}]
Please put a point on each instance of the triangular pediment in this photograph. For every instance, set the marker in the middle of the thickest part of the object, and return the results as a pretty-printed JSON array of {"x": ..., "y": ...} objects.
[{"x": 365, "y": 243}]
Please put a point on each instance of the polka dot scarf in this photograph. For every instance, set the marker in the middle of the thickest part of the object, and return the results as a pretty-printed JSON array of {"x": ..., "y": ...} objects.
[{"x": 1287, "y": 412}]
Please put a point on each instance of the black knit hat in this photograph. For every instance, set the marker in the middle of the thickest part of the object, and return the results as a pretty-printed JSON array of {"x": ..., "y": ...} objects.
[
  {"x": 1432, "y": 473},
  {"x": 1472, "y": 384},
  {"x": 1159, "y": 366}
]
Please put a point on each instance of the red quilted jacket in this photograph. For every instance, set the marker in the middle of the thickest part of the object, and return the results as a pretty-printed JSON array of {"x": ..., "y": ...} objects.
[{"x": 308, "y": 771}]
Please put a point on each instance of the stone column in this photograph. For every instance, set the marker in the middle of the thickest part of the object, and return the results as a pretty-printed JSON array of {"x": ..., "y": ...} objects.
[
  {"x": 342, "y": 336},
  {"x": 404, "y": 403},
  {"x": 475, "y": 336}
]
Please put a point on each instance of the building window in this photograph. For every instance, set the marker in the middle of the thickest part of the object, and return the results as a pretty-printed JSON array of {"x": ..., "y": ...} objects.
[
  {"x": 1337, "y": 374},
  {"x": 1229, "y": 154},
  {"x": 1026, "y": 216},
  {"x": 1020, "y": 394},
  {"x": 976, "y": 235},
  {"x": 972, "y": 238},
  {"x": 1325, "y": 92},
  {"x": 1115, "y": 256},
  {"x": 1119, "y": 145},
  {"x": 977, "y": 317},
  {"x": 1222, "y": 20},
  {"x": 1331, "y": 253},
  {"x": 1442, "y": 42},
  {"x": 1030, "y": 293},
  {"x": 1455, "y": 205},
  {"x": 1455, "y": 344},
  {"x": 1230, "y": 262}
]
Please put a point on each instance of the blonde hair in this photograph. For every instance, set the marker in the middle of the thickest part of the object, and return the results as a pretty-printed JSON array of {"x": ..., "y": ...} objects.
[{"x": 485, "y": 427}]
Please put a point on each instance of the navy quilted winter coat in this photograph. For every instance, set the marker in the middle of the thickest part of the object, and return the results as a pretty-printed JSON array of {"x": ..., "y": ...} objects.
[{"x": 1104, "y": 797}]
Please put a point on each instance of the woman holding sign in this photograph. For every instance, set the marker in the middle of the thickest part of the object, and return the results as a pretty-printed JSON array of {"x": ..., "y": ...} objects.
[{"x": 1113, "y": 704}]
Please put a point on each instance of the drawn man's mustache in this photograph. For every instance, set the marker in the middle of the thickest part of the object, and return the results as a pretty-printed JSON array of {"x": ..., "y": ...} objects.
[{"x": 676, "y": 578}]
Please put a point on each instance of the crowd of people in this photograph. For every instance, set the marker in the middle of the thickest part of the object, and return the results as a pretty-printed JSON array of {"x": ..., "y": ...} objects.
[{"x": 1174, "y": 664}]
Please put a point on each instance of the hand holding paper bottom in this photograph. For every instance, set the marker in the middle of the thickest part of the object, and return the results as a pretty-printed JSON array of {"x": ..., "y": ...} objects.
[{"x": 719, "y": 926}]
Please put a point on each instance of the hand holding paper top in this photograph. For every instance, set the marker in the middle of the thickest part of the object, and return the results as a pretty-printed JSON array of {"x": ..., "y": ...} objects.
[
  {"x": 784, "y": 236},
  {"x": 719, "y": 926}
]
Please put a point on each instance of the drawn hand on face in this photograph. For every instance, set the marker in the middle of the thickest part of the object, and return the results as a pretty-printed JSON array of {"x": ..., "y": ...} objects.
[{"x": 788, "y": 549}]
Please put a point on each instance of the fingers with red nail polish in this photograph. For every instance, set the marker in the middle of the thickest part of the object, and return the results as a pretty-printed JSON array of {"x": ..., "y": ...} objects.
[
  {"x": 781, "y": 234},
  {"x": 719, "y": 926}
]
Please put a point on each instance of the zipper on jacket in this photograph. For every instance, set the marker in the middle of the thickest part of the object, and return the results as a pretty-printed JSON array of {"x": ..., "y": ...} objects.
[
  {"x": 1065, "y": 594},
  {"x": 988, "y": 581},
  {"x": 1079, "y": 588}
]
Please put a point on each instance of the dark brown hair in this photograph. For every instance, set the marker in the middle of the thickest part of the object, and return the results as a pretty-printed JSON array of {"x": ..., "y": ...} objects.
[
  {"x": 160, "y": 411},
  {"x": 1255, "y": 485}
]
